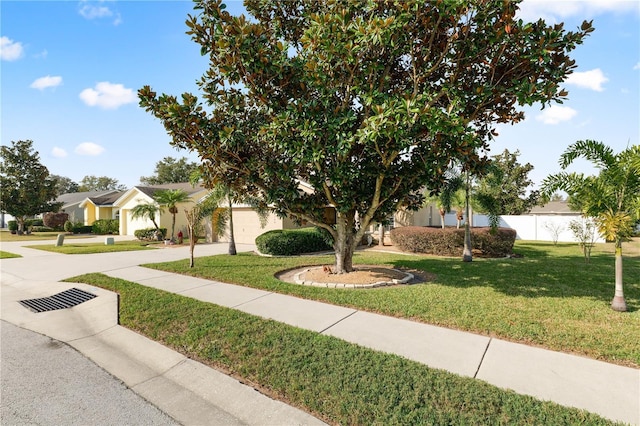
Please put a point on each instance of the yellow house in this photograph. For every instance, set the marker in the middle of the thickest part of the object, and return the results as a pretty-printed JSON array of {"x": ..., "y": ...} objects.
[
  {"x": 100, "y": 207},
  {"x": 144, "y": 194}
]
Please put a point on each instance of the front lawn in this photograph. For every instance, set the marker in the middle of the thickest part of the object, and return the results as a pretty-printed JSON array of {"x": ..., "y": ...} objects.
[
  {"x": 7, "y": 255},
  {"x": 6, "y": 236},
  {"x": 339, "y": 382},
  {"x": 91, "y": 248},
  {"x": 550, "y": 297}
]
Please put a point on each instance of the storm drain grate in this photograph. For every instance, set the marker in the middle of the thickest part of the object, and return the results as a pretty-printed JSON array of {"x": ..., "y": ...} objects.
[{"x": 66, "y": 299}]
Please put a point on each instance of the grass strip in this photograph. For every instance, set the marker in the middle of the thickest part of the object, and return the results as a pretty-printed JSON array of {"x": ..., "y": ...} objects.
[
  {"x": 549, "y": 298},
  {"x": 340, "y": 382},
  {"x": 92, "y": 248},
  {"x": 7, "y": 236},
  {"x": 7, "y": 255}
]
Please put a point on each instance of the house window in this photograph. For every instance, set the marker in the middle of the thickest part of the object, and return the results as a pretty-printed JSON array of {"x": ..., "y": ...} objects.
[{"x": 391, "y": 223}]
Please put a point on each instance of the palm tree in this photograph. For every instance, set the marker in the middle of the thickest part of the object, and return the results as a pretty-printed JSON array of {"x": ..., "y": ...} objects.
[
  {"x": 208, "y": 208},
  {"x": 171, "y": 198},
  {"x": 146, "y": 211},
  {"x": 612, "y": 197},
  {"x": 449, "y": 194}
]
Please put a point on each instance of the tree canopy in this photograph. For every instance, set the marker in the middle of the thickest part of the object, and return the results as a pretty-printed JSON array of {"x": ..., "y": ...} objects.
[
  {"x": 170, "y": 170},
  {"x": 368, "y": 101},
  {"x": 26, "y": 187},
  {"x": 65, "y": 185},
  {"x": 100, "y": 183},
  {"x": 504, "y": 189}
]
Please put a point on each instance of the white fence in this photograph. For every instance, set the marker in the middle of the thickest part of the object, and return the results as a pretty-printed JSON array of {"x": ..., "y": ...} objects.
[{"x": 531, "y": 227}]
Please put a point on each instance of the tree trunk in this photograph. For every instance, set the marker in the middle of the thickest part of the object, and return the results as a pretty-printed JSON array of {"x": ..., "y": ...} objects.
[
  {"x": 192, "y": 244},
  {"x": 381, "y": 235},
  {"x": 618, "y": 303},
  {"x": 173, "y": 225},
  {"x": 467, "y": 254},
  {"x": 232, "y": 240},
  {"x": 345, "y": 244},
  {"x": 442, "y": 213}
]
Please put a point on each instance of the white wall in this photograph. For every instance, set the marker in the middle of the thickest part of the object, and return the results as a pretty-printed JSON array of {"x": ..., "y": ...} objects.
[{"x": 529, "y": 227}]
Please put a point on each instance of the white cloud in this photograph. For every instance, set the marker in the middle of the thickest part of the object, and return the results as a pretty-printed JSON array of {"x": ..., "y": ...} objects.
[
  {"x": 637, "y": 66},
  {"x": 554, "y": 10},
  {"x": 89, "y": 148},
  {"x": 97, "y": 10},
  {"x": 588, "y": 79},
  {"x": 48, "y": 81},
  {"x": 92, "y": 10},
  {"x": 107, "y": 95},
  {"x": 556, "y": 114},
  {"x": 58, "y": 152},
  {"x": 10, "y": 50}
]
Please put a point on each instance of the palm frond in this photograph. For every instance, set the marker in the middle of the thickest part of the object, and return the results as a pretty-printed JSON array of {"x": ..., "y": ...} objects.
[{"x": 596, "y": 152}]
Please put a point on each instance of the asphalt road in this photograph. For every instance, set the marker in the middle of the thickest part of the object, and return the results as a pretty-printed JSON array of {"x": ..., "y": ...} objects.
[{"x": 46, "y": 382}]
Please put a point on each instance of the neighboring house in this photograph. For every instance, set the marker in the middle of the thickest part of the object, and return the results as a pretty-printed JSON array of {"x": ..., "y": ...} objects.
[
  {"x": 144, "y": 194},
  {"x": 100, "y": 207},
  {"x": 72, "y": 204},
  {"x": 540, "y": 224},
  {"x": 247, "y": 226}
]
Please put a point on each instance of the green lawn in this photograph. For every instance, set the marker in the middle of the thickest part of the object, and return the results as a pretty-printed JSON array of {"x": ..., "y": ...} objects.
[
  {"x": 91, "y": 248},
  {"x": 6, "y": 236},
  {"x": 339, "y": 382},
  {"x": 7, "y": 255},
  {"x": 550, "y": 297}
]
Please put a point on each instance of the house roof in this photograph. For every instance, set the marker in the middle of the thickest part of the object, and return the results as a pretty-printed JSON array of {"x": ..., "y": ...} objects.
[
  {"x": 150, "y": 190},
  {"x": 72, "y": 198},
  {"x": 554, "y": 207},
  {"x": 106, "y": 200}
]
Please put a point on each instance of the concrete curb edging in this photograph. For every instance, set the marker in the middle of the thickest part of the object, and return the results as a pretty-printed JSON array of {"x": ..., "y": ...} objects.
[{"x": 298, "y": 278}]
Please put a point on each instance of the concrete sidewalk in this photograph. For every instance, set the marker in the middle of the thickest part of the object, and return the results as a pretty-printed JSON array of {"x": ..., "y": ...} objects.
[
  {"x": 155, "y": 372},
  {"x": 610, "y": 390}
]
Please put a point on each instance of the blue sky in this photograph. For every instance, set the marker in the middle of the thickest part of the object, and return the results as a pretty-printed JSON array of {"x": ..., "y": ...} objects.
[{"x": 70, "y": 71}]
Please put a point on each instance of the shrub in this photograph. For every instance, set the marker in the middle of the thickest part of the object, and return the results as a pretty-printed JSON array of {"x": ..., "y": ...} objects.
[
  {"x": 68, "y": 226},
  {"x": 495, "y": 244},
  {"x": 12, "y": 225},
  {"x": 79, "y": 228},
  {"x": 42, "y": 229},
  {"x": 37, "y": 222},
  {"x": 291, "y": 242},
  {"x": 106, "y": 226},
  {"x": 450, "y": 241},
  {"x": 55, "y": 220},
  {"x": 149, "y": 234}
]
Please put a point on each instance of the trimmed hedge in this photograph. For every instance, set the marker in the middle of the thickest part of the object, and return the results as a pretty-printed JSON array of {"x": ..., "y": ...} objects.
[
  {"x": 450, "y": 241},
  {"x": 291, "y": 242},
  {"x": 149, "y": 234},
  {"x": 82, "y": 229},
  {"x": 42, "y": 229},
  {"x": 106, "y": 226}
]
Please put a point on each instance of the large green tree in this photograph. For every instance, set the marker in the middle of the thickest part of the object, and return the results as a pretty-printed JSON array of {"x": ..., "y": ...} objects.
[
  {"x": 26, "y": 187},
  {"x": 612, "y": 197},
  {"x": 368, "y": 101},
  {"x": 100, "y": 183},
  {"x": 505, "y": 187},
  {"x": 65, "y": 185},
  {"x": 170, "y": 170}
]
